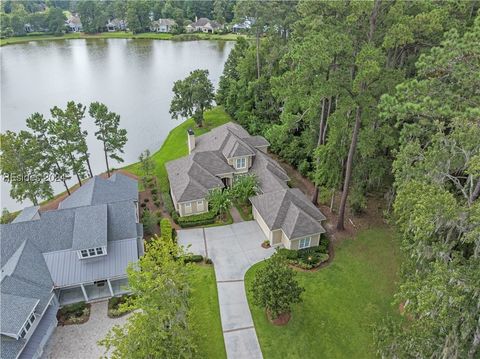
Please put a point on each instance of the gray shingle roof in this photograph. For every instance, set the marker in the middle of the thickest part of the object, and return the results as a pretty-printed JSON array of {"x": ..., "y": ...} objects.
[
  {"x": 101, "y": 211},
  {"x": 100, "y": 191},
  {"x": 190, "y": 180},
  {"x": 271, "y": 177},
  {"x": 90, "y": 228},
  {"x": 14, "y": 307},
  {"x": 11, "y": 347},
  {"x": 290, "y": 211},
  {"x": 27, "y": 214}
]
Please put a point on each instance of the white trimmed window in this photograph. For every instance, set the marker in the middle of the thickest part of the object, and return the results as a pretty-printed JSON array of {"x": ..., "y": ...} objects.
[
  {"x": 28, "y": 324},
  {"x": 200, "y": 206},
  {"x": 304, "y": 242},
  {"x": 240, "y": 163},
  {"x": 92, "y": 252},
  {"x": 188, "y": 207}
]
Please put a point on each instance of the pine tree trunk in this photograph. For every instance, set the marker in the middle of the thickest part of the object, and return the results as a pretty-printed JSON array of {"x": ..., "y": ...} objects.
[
  {"x": 476, "y": 193},
  {"x": 348, "y": 171},
  {"x": 66, "y": 187},
  {"x": 76, "y": 173},
  {"x": 319, "y": 143},
  {"x": 106, "y": 160},
  {"x": 257, "y": 43},
  {"x": 88, "y": 165}
]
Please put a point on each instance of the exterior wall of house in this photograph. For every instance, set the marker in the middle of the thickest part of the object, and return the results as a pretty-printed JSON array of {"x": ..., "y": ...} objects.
[
  {"x": 174, "y": 200},
  {"x": 276, "y": 237},
  {"x": 294, "y": 243},
  {"x": 249, "y": 161},
  {"x": 262, "y": 224},
  {"x": 196, "y": 208}
]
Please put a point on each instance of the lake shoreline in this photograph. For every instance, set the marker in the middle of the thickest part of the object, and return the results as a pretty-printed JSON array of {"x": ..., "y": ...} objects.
[{"x": 119, "y": 35}]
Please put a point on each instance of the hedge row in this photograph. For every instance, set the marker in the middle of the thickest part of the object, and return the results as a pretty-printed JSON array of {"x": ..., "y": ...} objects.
[{"x": 197, "y": 220}]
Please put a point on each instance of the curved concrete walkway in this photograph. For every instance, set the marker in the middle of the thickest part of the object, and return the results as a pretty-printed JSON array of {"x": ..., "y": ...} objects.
[{"x": 233, "y": 250}]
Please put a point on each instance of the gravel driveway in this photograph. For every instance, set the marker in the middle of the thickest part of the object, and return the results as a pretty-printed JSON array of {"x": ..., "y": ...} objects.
[
  {"x": 80, "y": 341},
  {"x": 233, "y": 250}
]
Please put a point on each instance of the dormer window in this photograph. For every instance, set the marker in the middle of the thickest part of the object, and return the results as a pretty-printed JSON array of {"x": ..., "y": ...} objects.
[
  {"x": 92, "y": 252},
  {"x": 28, "y": 324},
  {"x": 240, "y": 163}
]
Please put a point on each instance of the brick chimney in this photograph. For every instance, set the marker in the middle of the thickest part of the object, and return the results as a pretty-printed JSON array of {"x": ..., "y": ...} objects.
[{"x": 191, "y": 140}]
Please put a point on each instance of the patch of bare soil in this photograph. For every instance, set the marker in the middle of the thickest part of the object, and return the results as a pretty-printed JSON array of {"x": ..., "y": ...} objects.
[
  {"x": 282, "y": 319},
  {"x": 371, "y": 217}
]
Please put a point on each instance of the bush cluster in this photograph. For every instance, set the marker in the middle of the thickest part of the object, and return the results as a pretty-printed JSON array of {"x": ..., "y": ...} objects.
[
  {"x": 307, "y": 258},
  {"x": 168, "y": 203},
  {"x": 193, "y": 258},
  {"x": 196, "y": 219}
]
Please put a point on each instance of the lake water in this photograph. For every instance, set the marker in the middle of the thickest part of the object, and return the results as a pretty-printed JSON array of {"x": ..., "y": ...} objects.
[{"x": 134, "y": 78}]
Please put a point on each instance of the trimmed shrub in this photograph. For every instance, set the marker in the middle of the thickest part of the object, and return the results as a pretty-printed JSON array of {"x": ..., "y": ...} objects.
[
  {"x": 157, "y": 204},
  {"x": 168, "y": 203},
  {"x": 166, "y": 229},
  {"x": 175, "y": 217},
  {"x": 154, "y": 191},
  {"x": 194, "y": 258},
  {"x": 197, "y": 220},
  {"x": 155, "y": 198},
  {"x": 146, "y": 200},
  {"x": 143, "y": 205}
]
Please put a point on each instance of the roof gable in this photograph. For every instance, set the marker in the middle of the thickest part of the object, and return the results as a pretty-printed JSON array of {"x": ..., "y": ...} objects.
[{"x": 90, "y": 227}]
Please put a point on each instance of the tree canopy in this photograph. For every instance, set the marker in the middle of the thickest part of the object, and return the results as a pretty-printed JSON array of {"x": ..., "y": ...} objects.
[{"x": 192, "y": 96}]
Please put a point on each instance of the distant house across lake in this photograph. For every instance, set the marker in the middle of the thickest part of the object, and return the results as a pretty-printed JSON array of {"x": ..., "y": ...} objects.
[
  {"x": 205, "y": 25},
  {"x": 116, "y": 25},
  {"x": 163, "y": 25},
  {"x": 74, "y": 24}
]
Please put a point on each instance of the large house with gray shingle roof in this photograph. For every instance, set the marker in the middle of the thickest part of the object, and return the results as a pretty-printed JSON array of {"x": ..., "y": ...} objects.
[
  {"x": 285, "y": 215},
  {"x": 78, "y": 252}
]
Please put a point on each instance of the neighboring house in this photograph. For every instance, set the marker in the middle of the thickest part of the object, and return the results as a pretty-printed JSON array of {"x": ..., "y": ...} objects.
[
  {"x": 163, "y": 25},
  {"x": 242, "y": 26},
  {"x": 78, "y": 252},
  {"x": 205, "y": 25},
  {"x": 74, "y": 24},
  {"x": 116, "y": 25},
  {"x": 285, "y": 215},
  {"x": 28, "y": 28}
]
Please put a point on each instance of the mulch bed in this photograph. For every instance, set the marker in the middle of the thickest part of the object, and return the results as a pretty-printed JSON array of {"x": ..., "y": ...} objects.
[
  {"x": 70, "y": 319},
  {"x": 282, "y": 319}
]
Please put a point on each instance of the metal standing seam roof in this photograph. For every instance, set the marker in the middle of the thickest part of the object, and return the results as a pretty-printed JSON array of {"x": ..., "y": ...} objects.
[{"x": 67, "y": 269}]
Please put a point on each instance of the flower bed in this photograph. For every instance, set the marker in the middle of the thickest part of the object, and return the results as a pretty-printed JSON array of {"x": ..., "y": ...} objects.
[
  {"x": 77, "y": 313},
  {"x": 307, "y": 258},
  {"x": 114, "y": 303}
]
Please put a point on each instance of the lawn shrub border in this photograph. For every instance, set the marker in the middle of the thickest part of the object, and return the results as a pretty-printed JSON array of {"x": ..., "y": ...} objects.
[{"x": 197, "y": 219}]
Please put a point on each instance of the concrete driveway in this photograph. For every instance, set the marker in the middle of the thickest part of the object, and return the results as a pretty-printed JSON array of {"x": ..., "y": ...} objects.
[{"x": 233, "y": 250}]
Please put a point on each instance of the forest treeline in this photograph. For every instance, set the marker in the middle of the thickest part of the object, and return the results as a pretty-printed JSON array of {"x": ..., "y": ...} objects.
[{"x": 380, "y": 98}]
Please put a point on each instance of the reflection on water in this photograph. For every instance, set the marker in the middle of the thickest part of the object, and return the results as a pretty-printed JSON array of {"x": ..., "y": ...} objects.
[{"x": 132, "y": 77}]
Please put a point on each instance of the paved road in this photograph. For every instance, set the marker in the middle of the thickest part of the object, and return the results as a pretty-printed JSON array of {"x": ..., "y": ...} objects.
[{"x": 233, "y": 249}]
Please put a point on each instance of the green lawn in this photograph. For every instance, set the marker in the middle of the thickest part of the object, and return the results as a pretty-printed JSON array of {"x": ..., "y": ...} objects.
[
  {"x": 206, "y": 313},
  {"x": 175, "y": 145},
  {"x": 342, "y": 302},
  {"x": 115, "y": 35}
]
